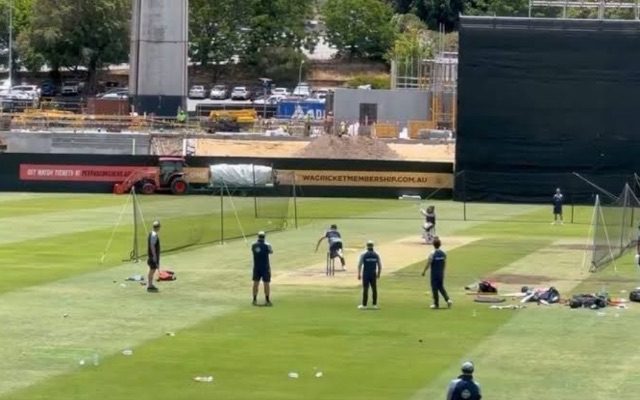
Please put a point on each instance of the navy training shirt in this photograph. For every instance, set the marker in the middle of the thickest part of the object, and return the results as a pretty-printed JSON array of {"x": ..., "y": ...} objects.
[
  {"x": 558, "y": 198},
  {"x": 369, "y": 261},
  {"x": 153, "y": 242},
  {"x": 438, "y": 260},
  {"x": 261, "y": 251},
  {"x": 333, "y": 236},
  {"x": 430, "y": 218}
]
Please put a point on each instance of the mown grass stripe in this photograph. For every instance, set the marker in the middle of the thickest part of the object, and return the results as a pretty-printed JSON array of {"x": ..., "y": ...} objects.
[{"x": 363, "y": 355}]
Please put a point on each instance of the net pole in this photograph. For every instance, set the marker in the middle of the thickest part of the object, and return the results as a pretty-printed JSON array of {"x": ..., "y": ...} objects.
[
  {"x": 606, "y": 234},
  {"x": 255, "y": 196},
  {"x": 235, "y": 212},
  {"x": 135, "y": 255},
  {"x": 464, "y": 194},
  {"x": 115, "y": 228},
  {"x": 589, "y": 237},
  {"x": 221, "y": 216},
  {"x": 295, "y": 201}
]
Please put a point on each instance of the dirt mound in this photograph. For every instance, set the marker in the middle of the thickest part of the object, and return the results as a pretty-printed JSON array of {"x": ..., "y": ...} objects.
[{"x": 348, "y": 147}]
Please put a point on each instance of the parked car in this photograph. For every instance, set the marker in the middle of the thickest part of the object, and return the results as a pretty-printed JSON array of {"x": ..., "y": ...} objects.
[
  {"x": 219, "y": 92},
  {"x": 240, "y": 93},
  {"x": 320, "y": 94},
  {"x": 115, "y": 94},
  {"x": 270, "y": 100},
  {"x": 302, "y": 90},
  {"x": 48, "y": 89},
  {"x": 70, "y": 88},
  {"x": 30, "y": 90},
  {"x": 197, "y": 92},
  {"x": 281, "y": 91}
]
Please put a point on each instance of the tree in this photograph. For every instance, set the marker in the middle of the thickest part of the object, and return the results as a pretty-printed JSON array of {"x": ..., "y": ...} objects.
[
  {"x": 441, "y": 12},
  {"x": 359, "y": 28},
  {"x": 215, "y": 31},
  {"x": 402, "y": 6},
  {"x": 501, "y": 8},
  {"x": 276, "y": 24},
  {"x": 21, "y": 22},
  {"x": 72, "y": 34}
]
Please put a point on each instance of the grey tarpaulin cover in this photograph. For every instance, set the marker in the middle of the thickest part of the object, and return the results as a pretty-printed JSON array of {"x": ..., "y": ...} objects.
[{"x": 241, "y": 175}]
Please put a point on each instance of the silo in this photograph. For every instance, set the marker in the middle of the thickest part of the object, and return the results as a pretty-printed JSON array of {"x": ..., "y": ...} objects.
[{"x": 158, "y": 61}]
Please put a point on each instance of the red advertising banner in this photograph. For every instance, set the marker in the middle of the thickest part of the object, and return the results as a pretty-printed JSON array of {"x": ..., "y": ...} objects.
[{"x": 76, "y": 173}]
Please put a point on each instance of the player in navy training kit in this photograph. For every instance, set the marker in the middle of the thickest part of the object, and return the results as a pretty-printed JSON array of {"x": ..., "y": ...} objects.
[
  {"x": 369, "y": 268},
  {"x": 429, "y": 224},
  {"x": 153, "y": 255},
  {"x": 335, "y": 244},
  {"x": 558, "y": 199},
  {"x": 437, "y": 262},
  {"x": 261, "y": 268},
  {"x": 464, "y": 387}
]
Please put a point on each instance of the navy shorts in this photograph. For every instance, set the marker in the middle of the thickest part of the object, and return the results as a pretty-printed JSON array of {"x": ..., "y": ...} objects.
[
  {"x": 152, "y": 264},
  {"x": 262, "y": 274},
  {"x": 557, "y": 209},
  {"x": 334, "y": 249}
]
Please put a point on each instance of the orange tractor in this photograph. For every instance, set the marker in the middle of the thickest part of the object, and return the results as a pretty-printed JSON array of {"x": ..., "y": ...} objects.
[{"x": 171, "y": 175}]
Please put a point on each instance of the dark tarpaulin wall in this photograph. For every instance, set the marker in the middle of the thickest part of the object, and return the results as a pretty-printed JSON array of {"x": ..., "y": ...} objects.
[{"x": 541, "y": 98}]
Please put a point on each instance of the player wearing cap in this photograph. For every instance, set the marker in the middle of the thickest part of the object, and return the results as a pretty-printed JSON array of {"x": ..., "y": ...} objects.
[
  {"x": 153, "y": 255},
  {"x": 261, "y": 268},
  {"x": 464, "y": 387},
  {"x": 369, "y": 268},
  {"x": 335, "y": 244}
]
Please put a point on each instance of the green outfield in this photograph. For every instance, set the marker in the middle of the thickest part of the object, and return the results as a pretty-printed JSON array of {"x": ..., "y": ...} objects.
[{"x": 67, "y": 314}]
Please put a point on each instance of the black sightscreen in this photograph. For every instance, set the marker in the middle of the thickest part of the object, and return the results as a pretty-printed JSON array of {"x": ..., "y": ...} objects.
[{"x": 546, "y": 96}]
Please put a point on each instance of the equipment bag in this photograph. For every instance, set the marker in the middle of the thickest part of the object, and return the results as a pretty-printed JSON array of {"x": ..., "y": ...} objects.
[
  {"x": 487, "y": 287},
  {"x": 166, "y": 276},
  {"x": 634, "y": 295},
  {"x": 588, "y": 301}
]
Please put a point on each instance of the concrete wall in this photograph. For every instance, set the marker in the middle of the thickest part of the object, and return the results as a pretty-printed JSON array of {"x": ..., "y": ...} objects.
[
  {"x": 393, "y": 105},
  {"x": 159, "y": 44},
  {"x": 76, "y": 143}
]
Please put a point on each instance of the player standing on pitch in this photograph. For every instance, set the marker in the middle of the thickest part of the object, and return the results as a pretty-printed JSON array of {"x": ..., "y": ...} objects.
[
  {"x": 335, "y": 244},
  {"x": 429, "y": 223},
  {"x": 153, "y": 255},
  {"x": 558, "y": 199},
  {"x": 369, "y": 269},
  {"x": 261, "y": 268},
  {"x": 437, "y": 261}
]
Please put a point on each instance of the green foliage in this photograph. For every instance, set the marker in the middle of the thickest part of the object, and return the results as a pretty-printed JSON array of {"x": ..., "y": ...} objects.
[
  {"x": 414, "y": 42},
  {"x": 214, "y": 31},
  {"x": 379, "y": 81},
  {"x": 359, "y": 28},
  {"x": 273, "y": 24},
  {"x": 501, "y": 8},
  {"x": 281, "y": 64},
  {"x": 21, "y": 23},
  {"x": 68, "y": 33},
  {"x": 441, "y": 12}
]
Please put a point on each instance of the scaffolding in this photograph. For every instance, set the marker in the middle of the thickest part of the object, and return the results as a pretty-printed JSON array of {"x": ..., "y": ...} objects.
[{"x": 600, "y": 5}]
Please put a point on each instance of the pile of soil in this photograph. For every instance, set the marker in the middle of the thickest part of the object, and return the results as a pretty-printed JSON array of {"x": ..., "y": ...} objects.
[{"x": 348, "y": 148}]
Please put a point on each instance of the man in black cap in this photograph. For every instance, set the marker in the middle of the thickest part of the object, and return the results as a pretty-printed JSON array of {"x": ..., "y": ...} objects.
[
  {"x": 261, "y": 268},
  {"x": 153, "y": 255},
  {"x": 369, "y": 268},
  {"x": 464, "y": 387}
]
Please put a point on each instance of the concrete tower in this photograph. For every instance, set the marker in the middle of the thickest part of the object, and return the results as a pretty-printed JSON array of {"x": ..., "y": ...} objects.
[{"x": 158, "y": 61}]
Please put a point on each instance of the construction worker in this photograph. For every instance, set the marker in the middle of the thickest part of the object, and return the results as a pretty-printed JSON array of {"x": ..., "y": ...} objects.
[{"x": 182, "y": 116}]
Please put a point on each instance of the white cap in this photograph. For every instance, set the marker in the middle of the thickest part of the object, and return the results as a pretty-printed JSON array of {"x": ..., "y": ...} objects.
[
  {"x": 156, "y": 224},
  {"x": 369, "y": 243},
  {"x": 261, "y": 234}
]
